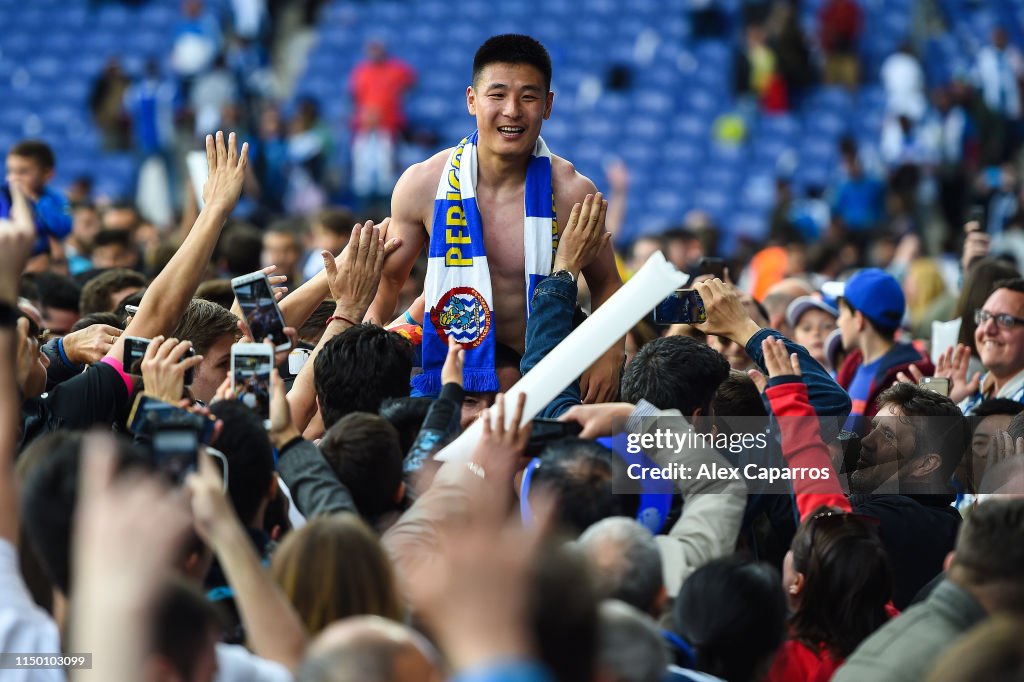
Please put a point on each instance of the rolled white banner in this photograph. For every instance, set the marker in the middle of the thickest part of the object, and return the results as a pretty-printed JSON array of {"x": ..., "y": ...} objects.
[{"x": 655, "y": 281}]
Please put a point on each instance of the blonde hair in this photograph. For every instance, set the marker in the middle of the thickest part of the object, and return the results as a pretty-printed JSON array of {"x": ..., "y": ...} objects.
[
  {"x": 928, "y": 286},
  {"x": 335, "y": 567}
]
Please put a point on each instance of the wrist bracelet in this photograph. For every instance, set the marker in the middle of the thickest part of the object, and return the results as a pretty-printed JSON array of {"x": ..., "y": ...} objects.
[
  {"x": 9, "y": 315},
  {"x": 332, "y": 318},
  {"x": 63, "y": 355}
]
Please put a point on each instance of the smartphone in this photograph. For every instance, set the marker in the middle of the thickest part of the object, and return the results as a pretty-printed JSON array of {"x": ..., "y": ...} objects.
[
  {"x": 176, "y": 451},
  {"x": 262, "y": 316},
  {"x": 546, "y": 431},
  {"x": 251, "y": 364},
  {"x": 712, "y": 266},
  {"x": 685, "y": 306},
  {"x": 131, "y": 309},
  {"x": 148, "y": 415},
  {"x": 135, "y": 349},
  {"x": 939, "y": 385}
]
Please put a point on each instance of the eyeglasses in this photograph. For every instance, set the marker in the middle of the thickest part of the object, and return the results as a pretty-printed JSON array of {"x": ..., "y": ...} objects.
[{"x": 1003, "y": 321}]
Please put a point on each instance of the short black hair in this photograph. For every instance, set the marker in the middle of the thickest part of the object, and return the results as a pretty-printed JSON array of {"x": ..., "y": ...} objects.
[
  {"x": 241, "y": 247},
  {"x": 57, "y": 291},
  {"x": 122, "y": 238},
  {"x": 37, "y": 150},
  {"x": 89, "y": 320},
  {"x": 49, "y": 497},
  {"x": 363, "y": 451},
  {"x": 360, "y": 367},
  {"x": 184, "y": 621},
  {"x": 406, "y": 415},
  {"x": 675, "y": 372},
  {"x": 733, "y": 613},
  {"x": 944, "y": 429},
  {"x": 96, "y": 292},
  {"x": 250, "y": 456},
  {"x": 513, "y": 48},
  {"x": 580, "y": 473}
]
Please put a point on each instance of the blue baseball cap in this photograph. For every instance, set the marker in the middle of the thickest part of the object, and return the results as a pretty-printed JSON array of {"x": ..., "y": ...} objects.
[{"x": 875, "y": 293}]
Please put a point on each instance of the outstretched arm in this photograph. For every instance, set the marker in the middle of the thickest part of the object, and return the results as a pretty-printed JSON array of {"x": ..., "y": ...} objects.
[{"x": 168, "y": 296}]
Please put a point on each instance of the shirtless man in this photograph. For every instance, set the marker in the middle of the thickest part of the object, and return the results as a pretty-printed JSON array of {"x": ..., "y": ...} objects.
[{"x": 511, "y": 98}]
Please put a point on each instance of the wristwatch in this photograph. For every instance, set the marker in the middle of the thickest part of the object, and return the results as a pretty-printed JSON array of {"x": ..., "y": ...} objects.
[{"x": 564, "y": 275}]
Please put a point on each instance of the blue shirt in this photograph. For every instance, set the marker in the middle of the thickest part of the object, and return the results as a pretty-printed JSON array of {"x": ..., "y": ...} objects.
[
  {"x": 860, "y": 392},
  {"x": 52, "y": 213}
]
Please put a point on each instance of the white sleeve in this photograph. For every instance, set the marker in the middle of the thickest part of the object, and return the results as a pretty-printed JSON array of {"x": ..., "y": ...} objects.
[
  {"x": 24, "y": 627},
  {"x": 238, "y": 664}
]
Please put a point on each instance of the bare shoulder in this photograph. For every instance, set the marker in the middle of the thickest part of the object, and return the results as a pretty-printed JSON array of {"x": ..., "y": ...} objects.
[
  {"x": 570, "y": 185},
  {"x": 413, "y": 198}
]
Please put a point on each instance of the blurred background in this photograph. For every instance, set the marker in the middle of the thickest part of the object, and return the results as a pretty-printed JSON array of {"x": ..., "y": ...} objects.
[{"x": 740, "y": 121}]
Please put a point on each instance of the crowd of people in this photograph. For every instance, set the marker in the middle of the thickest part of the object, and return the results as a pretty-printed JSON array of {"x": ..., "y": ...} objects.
[{"x": 398, "y": 518}]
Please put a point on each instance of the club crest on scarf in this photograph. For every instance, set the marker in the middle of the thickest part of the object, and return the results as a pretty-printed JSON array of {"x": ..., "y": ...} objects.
[{"x": 464, "y": 314}]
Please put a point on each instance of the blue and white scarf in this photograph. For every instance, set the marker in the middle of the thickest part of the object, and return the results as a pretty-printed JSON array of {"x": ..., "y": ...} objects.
[{"x": 457, "y": 291}]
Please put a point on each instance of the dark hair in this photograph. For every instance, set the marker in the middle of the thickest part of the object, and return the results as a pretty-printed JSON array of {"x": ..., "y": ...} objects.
[
  {"x": 360, "y": 367},
  {"x": 675, "y": 372},
  {"x": 733, "y": 613},
  {"x": 217, "y": 291},
  {"x": 241, "y": 247},
  {"x": 292, "y": 229},
  {"x": 250, "y": 457},
  {"x": 406, "y": 415},
  {"x": 337, "y": 221},
  {"x": 316, "y": 324},
  {"x": 990, "y": 548},
  {"x": 847, "y": 581},
  {"x": 97, "y": 291},
  {"x": 184, "y": 621},
  {"x": 579, "y": 472},
  {"x": 885, "y": 332},
  {"x": 97, "y": 318},
  {"x": 939, "y": 426},
  {"x": 363, "y": 451},
  {"x": 978, "y": 285},
  {"x": 513, "y": 48},
  {"x": 108, "y": 237},
  {"x": 57, "y": 291},
  {"x": 992, "y": 407},
  {"x": 49, "y": 497},
  {"x": 1011, "y": 283},
  {"x": 204, "y": 322},
  {"x": 37, "y": 150},
  {"x": 737, "y": 396}
]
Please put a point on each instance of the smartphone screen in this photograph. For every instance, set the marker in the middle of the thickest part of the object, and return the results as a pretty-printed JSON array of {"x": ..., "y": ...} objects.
[
  {"x": 149, "y": 415},
  {"x": 175, "y": 450},
  {"x": 135, "y": 349},
  {"x": 260, "y": 310},
  {"x": 684, "y": 306},
  {"x": 250, "y": 379}
]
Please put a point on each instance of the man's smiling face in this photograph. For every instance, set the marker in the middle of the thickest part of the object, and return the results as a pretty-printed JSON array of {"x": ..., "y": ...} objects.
[
  {"x": 1002, "y": 350},
  {"x": 510, "y": 102}
]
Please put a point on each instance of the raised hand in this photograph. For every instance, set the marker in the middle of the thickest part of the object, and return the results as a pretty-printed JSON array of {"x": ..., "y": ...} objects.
[
  {"x": 17, "y": 237},
  {"x": 953, "y": 365},
  {"x": 727, "y": 316},
  {"x": 354, "y": 275},
  {"x": 451, "y": 371},
  {"x": 163, "y": 370},
  {"x": 597, "y": 420},
  {"x": 777, "y": 361},
  {"x": 583, "y": 236},
  {"x": 226, "y": 171},
  {"x": 89, "y": 345},
  {"x": 501, "y": 445}
]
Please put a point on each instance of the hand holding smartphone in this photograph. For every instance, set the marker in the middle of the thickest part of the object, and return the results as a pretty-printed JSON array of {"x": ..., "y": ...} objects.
[
  {"x": 684, "y": 306},
  {"x": 251, "y": 365},
  {"x": 262, "y": 316},
  {"x": 135, "y": 350}
]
